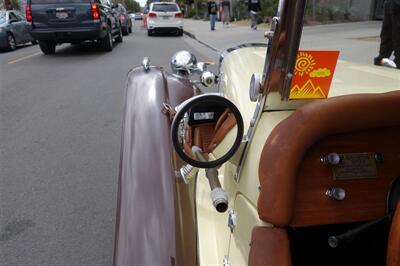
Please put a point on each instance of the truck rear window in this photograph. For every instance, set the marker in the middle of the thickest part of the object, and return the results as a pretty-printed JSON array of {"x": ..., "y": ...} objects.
[
  {"x": 165, "y": 8},
  {"x": 33, "y": 2}
]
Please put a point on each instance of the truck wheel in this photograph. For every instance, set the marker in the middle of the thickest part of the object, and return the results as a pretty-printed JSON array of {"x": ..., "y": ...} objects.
[
  {"x": 119, "y": 38},
  {"x": 180, "y": 32},
  {"x": 149, "y": 32},
  {"x": 107, "y": 42},
  {"x": 47, "y": 47},
  {"x": 11, "y": 43}
]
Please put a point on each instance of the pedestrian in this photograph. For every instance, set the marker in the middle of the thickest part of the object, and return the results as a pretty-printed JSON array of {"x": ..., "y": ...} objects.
[
  {"x": 226, "y": 9},
  {"x": 212, "y": 12},
  {"x": 253, "y": 7},
  {"x": 390, "y": 35}
]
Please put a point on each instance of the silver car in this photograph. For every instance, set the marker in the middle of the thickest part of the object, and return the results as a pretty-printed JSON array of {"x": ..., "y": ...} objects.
[{"x": 14, "y": 30}]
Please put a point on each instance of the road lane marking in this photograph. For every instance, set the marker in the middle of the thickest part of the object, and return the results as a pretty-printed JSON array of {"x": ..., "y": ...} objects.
[{"x": 23, "y": 58}]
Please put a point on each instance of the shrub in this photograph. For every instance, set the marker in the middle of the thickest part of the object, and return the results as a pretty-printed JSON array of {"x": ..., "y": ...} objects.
[{"x": 332, "y": 11}]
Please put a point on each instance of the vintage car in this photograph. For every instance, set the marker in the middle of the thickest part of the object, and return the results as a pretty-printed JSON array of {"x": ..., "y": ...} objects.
[{"x": 270, "y": 175}]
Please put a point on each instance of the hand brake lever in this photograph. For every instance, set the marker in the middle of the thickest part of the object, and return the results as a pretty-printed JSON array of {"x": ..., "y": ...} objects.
[{"x": 338, "y": 240}]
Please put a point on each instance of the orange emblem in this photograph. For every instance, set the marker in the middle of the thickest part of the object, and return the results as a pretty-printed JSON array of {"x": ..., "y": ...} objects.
[{"x": 313, "y": 74}]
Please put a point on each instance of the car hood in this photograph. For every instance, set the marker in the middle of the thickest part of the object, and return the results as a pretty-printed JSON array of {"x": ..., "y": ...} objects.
[{"x": 351, "y": 78}]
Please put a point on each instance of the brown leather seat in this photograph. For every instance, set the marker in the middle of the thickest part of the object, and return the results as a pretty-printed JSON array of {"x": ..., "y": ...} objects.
[
  {"x": 285, "y": 147},
  {"x": 269, "y": 247}
]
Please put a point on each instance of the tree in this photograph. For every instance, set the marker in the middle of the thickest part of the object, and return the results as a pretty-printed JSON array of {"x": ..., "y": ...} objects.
[
  {"x": 130, "y": 5},
  {"x": 15, "y": 4},
  {"x": 7, "y": 4}
]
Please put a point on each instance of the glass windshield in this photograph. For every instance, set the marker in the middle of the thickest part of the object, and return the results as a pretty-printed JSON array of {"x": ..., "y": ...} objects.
[
  {"x": 165, "y": 8},
  {"x": 2, "y": 17}
]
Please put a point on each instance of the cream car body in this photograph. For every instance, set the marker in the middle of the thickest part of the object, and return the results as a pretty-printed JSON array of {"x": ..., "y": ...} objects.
[{"x": 216, "y": 242}]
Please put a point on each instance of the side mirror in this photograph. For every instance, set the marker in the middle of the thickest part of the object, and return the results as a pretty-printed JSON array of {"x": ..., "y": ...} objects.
[{"x": 207, "y": 130}]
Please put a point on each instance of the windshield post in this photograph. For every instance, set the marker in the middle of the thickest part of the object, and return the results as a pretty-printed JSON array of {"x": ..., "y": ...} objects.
[{"x": 282, "y": 51}]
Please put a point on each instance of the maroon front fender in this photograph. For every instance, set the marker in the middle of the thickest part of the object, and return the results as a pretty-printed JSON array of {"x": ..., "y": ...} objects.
[{"x": 145, "y": 225}]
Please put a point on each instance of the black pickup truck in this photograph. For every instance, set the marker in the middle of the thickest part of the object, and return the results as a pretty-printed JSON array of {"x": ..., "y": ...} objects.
[{"x": 73, "y": 21}]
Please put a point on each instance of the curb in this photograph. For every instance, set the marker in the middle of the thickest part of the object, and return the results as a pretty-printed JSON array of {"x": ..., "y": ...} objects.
[{"x": 191, "y": 35}]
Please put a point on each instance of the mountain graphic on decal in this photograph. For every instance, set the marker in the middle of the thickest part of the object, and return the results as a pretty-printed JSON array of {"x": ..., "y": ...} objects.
[{"x": 308, "y": 91}]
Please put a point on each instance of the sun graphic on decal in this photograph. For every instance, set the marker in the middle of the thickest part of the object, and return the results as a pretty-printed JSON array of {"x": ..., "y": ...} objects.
[{"x": 304, "y": 64}]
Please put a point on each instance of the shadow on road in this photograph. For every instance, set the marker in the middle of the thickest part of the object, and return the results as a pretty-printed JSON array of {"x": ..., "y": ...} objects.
[{"x": 87, "y": 48}]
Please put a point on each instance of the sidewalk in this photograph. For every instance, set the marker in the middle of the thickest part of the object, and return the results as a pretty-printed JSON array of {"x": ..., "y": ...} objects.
[
  {"x": 356, "y": 41},
  {"x": 223, "y": 37}
]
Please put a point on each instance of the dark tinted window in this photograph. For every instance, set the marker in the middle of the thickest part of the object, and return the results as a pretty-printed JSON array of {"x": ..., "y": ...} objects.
[
  {"x": 20, "y": 15},
  {"x": 13, "y": 17},
  {"x": 58, "y": 1},
  {"x": 165, "y": 8}
]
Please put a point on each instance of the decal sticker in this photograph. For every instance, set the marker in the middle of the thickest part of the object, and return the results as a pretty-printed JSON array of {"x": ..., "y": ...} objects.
[{"x": 313, "y": 74}]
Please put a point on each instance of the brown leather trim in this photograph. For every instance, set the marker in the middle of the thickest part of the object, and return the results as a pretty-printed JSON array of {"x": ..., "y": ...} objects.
[
  {"x": 365, "y": 197},
  {"x": 269, "y": 247},
  {"x": 393, "y": 251},
  {"x": 288, "y": 142},
  {"x": 226, "y": 122}
]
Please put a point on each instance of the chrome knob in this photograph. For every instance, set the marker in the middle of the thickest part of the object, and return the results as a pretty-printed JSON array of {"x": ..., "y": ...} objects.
[
  {"x": 331, "y": 159},
  {"x": 208, "y": 79},
  {"x": 336, "y": 193}
]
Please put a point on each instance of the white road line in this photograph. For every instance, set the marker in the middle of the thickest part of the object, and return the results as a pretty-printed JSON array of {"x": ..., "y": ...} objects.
[{"x": 23, "y": 58}]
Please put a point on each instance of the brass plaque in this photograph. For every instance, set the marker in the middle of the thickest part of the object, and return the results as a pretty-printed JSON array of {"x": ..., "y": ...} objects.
[{"x": 356, "y": 166}]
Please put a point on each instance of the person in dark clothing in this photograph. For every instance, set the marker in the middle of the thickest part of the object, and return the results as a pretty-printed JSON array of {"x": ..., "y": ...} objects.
[
  {"x": 253, "y": 7},
  {"x": 390, "y": 34},
  {"x": 226, "y": 9},
  {"x": 212, "y": 12}
]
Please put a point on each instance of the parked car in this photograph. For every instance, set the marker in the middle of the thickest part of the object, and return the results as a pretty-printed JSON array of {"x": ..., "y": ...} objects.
[
  {"x": 165, "y": 17},
  {"x": 14, "y": 30},
  {"x": 73, "y": 21},
  {"x": 125, "y": 21},
  {"x": 138, "y": 16},
  {"x": 273, "y": 175}
]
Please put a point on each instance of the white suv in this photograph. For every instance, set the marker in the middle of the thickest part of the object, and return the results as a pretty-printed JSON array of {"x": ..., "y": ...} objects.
[{"x": 164, "y": 17}]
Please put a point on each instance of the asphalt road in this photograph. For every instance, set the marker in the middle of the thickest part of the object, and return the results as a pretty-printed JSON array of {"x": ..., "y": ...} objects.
[{"x": 60, "y": 126}]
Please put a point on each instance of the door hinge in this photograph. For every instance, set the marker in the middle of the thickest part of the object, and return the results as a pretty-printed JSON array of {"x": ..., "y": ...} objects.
[
  {"x": 226, "y": 261},
  {"x": 232, "y": 219}
]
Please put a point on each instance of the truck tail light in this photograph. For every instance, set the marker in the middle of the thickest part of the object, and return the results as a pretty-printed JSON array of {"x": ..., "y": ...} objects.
[
  {"x": 178, "y": 15},
  {"x": 28, "y": 13},
  {"x": 152, "y": 15},
  {"x": 95, "y": 11}
]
